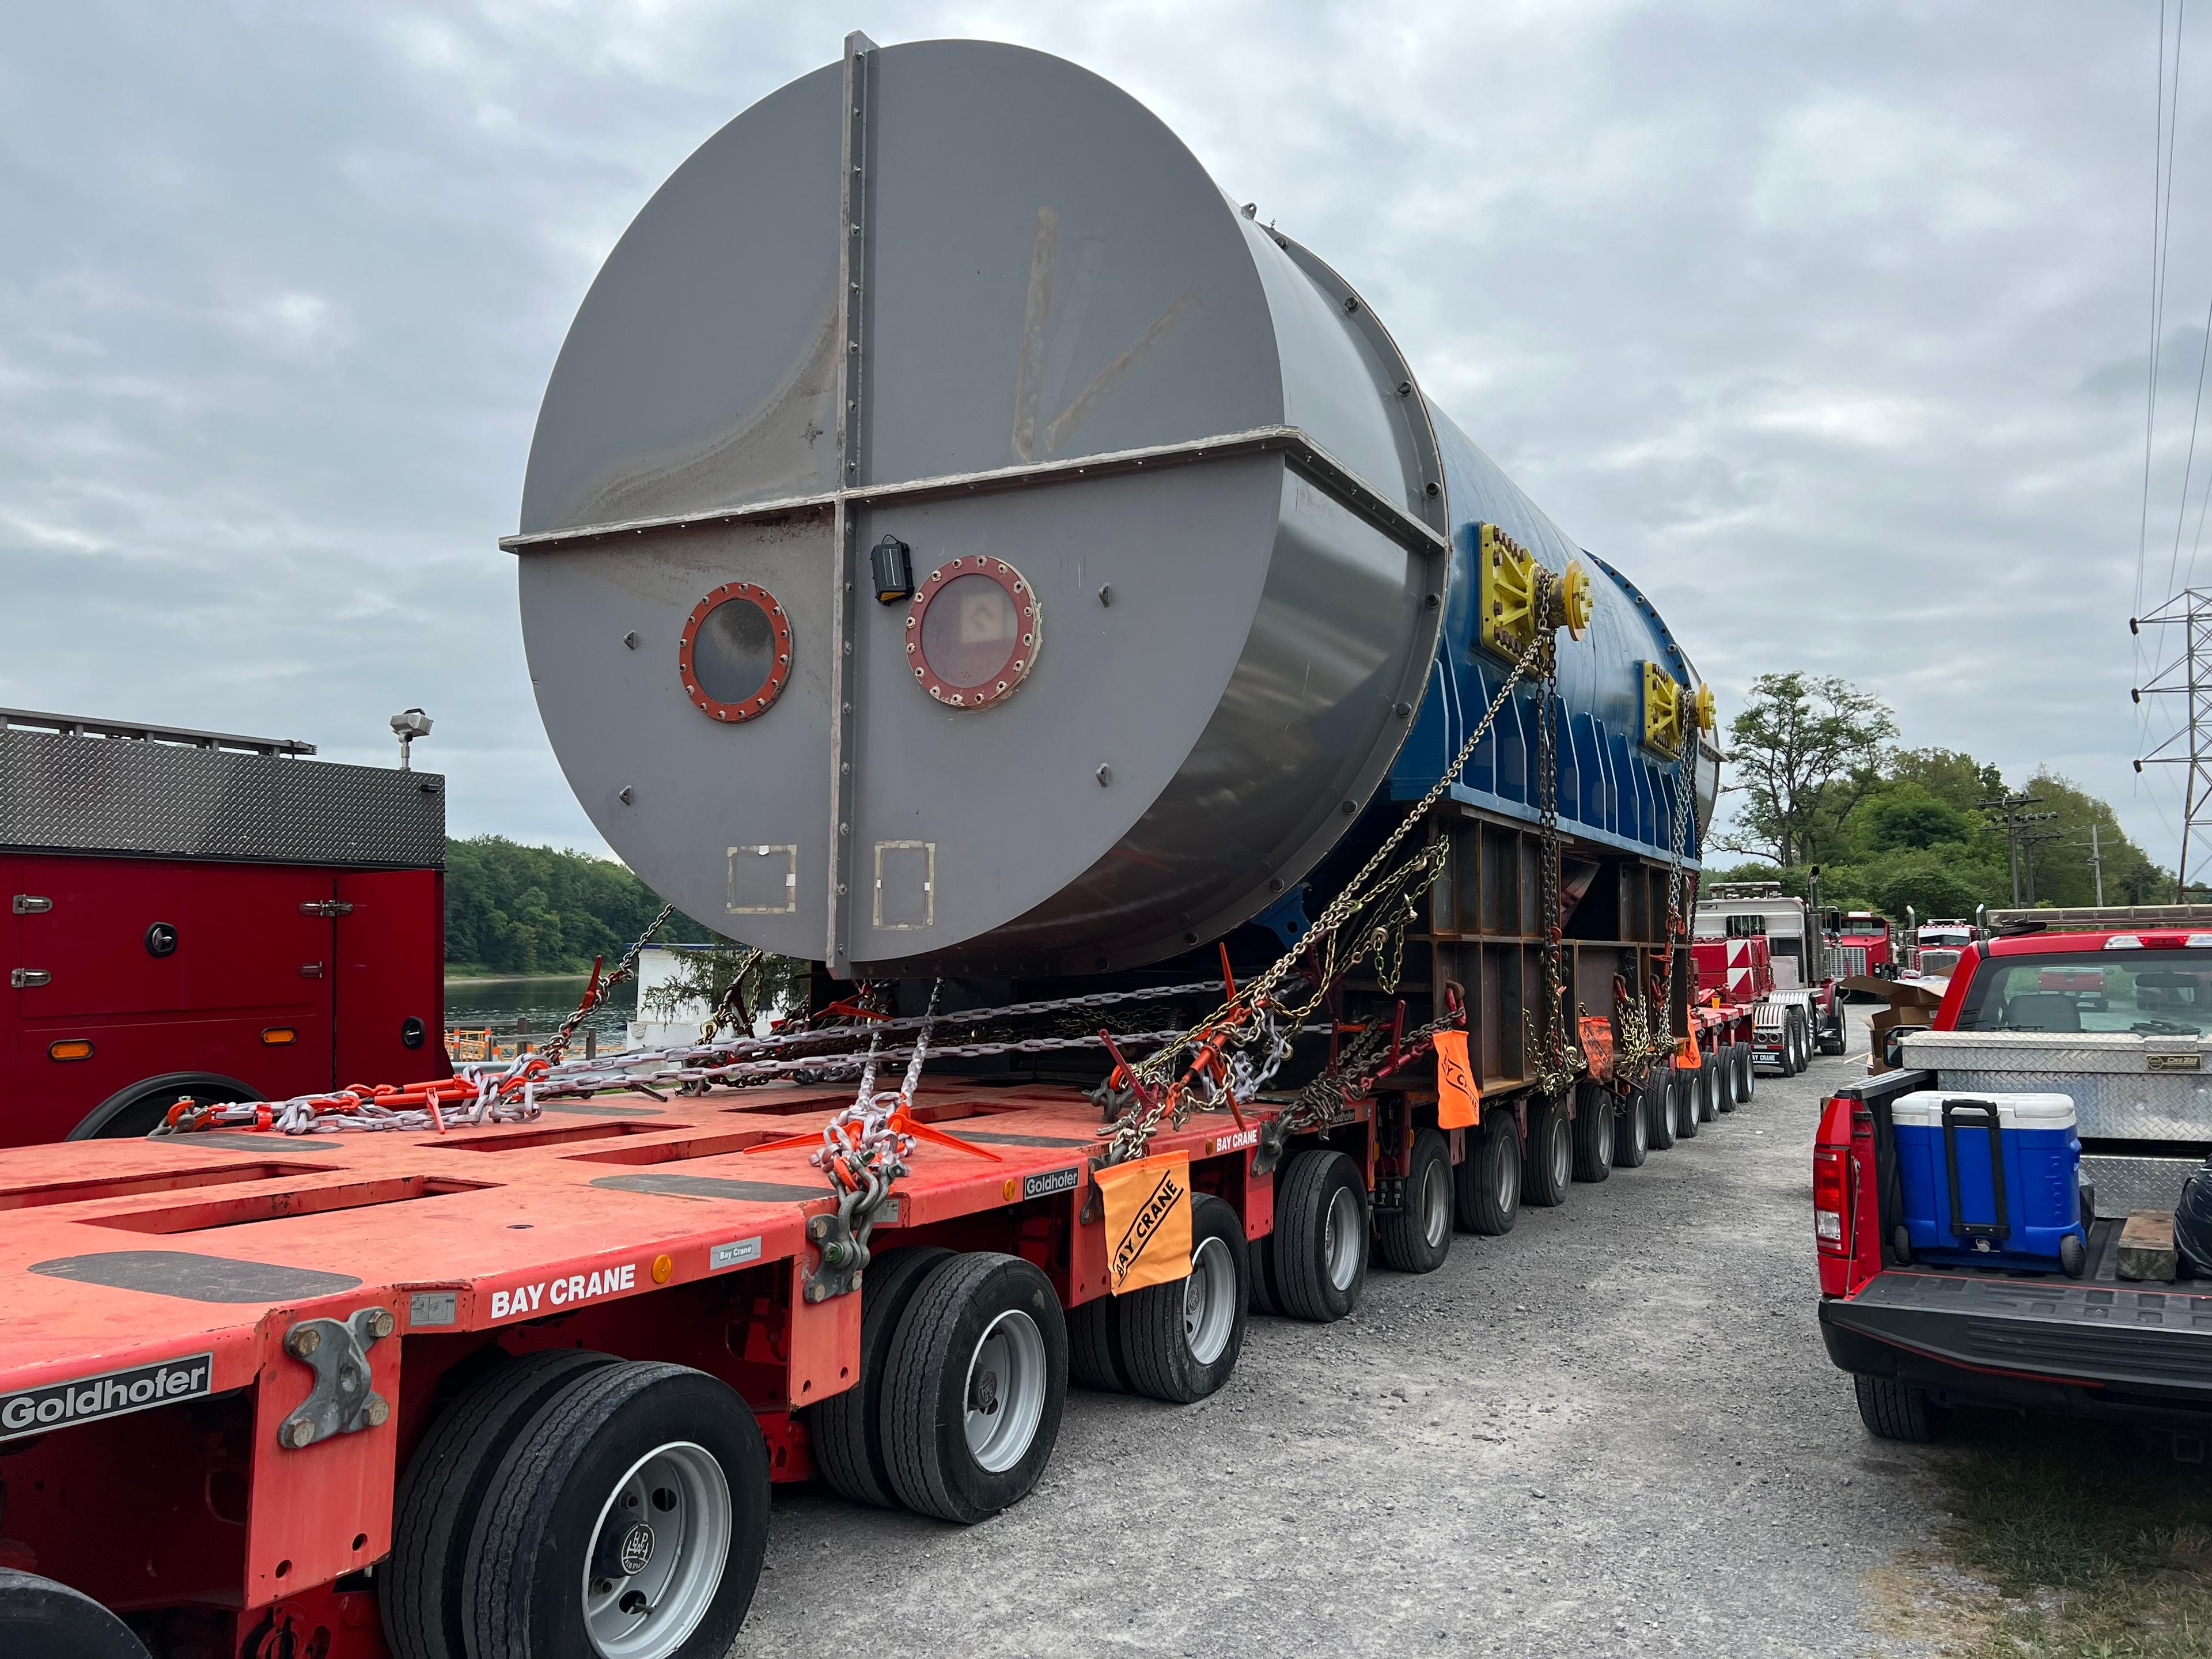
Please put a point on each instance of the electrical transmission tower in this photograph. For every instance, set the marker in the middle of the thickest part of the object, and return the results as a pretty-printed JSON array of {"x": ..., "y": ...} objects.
[{"x": 2187, "y": 675}]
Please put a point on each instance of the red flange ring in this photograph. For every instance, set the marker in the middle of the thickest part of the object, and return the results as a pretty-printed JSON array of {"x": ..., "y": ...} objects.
[
  {"x": 973, "y": 631},
  {"x": 736, "y": 633}
]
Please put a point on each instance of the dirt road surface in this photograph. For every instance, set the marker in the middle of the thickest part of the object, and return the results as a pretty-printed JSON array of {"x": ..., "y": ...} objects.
[{"x": 1613, "y": 1431}]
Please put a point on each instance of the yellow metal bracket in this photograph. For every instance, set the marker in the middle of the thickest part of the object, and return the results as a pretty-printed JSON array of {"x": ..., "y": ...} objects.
[
  {"x": 1667, "y": 704},
  {"x": 1511, "y": 601},
  {"x": 1708, "y": 715}
]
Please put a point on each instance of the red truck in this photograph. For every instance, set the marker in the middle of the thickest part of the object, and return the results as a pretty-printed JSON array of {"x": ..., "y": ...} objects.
[
  {"x": 2105, "y": 1007},
  {"x": 1863, "y": 941},
  {"x": 205, "y": 913}
]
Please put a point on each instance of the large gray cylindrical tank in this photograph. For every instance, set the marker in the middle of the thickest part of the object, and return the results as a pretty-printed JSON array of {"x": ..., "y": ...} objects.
[{"x": 1173, "y": 507}]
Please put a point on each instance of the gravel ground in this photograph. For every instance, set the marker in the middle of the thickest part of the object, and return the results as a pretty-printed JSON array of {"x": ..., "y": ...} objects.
[{"x": 1614, "y": 1431}]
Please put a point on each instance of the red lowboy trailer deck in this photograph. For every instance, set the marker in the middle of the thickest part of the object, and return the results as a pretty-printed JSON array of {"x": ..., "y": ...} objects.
[{"x": 151, "y": 1315}]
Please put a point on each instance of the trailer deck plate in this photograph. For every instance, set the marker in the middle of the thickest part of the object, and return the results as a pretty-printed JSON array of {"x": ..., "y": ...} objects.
[{"x": 550, "y": 1211}]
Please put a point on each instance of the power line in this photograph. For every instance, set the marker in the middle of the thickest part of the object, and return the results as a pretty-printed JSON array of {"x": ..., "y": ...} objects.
[{"x": 2157, "y": 277}]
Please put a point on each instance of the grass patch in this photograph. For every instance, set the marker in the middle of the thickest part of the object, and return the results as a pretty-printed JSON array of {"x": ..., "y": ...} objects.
[{"x": 2101, "y": 1544}]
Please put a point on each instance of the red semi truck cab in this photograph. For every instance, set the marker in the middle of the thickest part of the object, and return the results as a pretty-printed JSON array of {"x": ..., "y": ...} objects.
[
  {"x": 1865, "y": 943},
  {"x": 2113, "y": 1009},
  {"x": 198, "y": 912}
]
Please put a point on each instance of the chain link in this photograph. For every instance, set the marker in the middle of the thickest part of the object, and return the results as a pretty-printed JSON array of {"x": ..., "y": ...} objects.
[
  {"x": 1201, "y": 1064},
  {"x": 595, "y": 993}
]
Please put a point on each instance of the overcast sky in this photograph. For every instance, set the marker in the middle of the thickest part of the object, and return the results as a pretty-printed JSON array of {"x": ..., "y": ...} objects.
[{"x": 1829, "y": 324}]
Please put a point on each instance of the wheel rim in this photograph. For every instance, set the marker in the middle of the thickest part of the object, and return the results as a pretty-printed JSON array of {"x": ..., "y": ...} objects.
[
  {"x": 1505, "y": 1180},
  {"x": 1603, "y": 1135},
  {"x": 1435, "y": 1203},
  {"x": 1639, "y": 1129},
  {"x": 1004, "y": 1394},
  {"x": 1562, "y": 1151},
  {"x": 1209, "y": 1301},
  {"x": 1345, "y": 1227},
  {"x": 657, "y": 1551}
]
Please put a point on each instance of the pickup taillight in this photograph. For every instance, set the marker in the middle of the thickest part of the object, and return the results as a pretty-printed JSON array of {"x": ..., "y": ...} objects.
[{"x": 1830, "y": 1198}]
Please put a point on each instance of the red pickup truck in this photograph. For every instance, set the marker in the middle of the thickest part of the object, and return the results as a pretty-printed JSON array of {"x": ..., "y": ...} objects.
[{"x": 2112, "y": 1009}]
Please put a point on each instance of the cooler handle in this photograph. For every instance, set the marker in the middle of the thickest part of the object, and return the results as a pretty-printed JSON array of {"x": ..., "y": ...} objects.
[{"x": 1971, "y": 1113}]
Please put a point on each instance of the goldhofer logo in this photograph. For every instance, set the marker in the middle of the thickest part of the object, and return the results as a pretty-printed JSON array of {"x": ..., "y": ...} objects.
[
  {"x": 1045, "y": 1185},
  {"x": 113, "y": 1394}
]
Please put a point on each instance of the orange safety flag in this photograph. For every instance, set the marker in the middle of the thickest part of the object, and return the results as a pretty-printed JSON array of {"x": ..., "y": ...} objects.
[
  {"x": 1597, "y": 1046},
  {"x": 1147, "y": 1220},
  {"x": 1687, "y": 1057},
  {"x": 1458, "y": 1096}
]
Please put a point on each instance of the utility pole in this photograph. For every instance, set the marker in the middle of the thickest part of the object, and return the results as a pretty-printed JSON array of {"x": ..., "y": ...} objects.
[
  {"x": 2097, "y": 864},
  {"x": 2187, "y": 674},
  {"x": 2008, "y": 808}
]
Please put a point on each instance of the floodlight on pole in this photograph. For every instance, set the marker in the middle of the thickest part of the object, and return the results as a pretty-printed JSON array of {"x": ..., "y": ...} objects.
[{"x": 411, "y": 724}]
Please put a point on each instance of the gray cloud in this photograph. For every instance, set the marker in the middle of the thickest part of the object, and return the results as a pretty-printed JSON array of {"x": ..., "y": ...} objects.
[{"x": 1827, "y": 324}]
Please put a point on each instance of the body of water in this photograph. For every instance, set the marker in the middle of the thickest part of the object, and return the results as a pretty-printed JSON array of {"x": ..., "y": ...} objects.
[{"x": 541, "y": 1004}]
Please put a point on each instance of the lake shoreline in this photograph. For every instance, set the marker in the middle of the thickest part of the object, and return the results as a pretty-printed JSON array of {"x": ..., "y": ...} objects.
[{"x": 516, "y": 979}]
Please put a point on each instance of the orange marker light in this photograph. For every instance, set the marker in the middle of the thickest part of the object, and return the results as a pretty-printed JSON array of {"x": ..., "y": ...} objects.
[
  {"x": 662, "y": 1266},
  {"x": 70, "y": 1049},
  {"x": 278, "y": 1035}
]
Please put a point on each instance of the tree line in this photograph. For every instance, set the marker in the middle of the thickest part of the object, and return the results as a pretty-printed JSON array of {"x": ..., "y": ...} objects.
[
  {"x": 517, "y": 909},
  {"x": 1816, "y": 778}
]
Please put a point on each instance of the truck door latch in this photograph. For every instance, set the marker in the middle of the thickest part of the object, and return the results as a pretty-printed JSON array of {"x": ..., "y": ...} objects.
[
  {"x": 340, "y": 1402},
  {"x": 30, "y": 904},
  {"x": 326, "y": 908},
  {"x": 24, "y": 978}
]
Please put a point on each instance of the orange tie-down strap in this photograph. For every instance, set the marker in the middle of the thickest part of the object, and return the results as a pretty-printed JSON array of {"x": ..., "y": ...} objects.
[{"x": 1597, "y": 1045}]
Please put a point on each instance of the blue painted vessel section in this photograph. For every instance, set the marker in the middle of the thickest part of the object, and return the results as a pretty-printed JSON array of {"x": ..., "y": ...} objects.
[{"x": 1613, "y": 790}]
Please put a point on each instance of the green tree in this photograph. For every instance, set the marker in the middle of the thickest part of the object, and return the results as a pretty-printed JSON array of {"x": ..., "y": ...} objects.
[
  {"x": 516, "y": 909},
  {"x": 1899, "y": 815},
  {"x": 1803, "y": 751}
]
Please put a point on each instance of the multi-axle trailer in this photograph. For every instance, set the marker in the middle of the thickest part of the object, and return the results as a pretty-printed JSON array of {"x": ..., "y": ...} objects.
[
  {"x": 964, "y": 548},
  {"x": 524, "y": 1388}
]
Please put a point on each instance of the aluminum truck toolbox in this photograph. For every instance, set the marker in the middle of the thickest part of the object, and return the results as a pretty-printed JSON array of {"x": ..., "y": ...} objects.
[{"x": 2124, "y": 1087}]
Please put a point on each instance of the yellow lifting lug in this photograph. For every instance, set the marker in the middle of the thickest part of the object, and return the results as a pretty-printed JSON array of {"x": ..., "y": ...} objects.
[
  {"x": 1575, "y": 600},
  {"x": 1666, "y": 701},
  {"x": 1510, "y": 597},
  {"x": 1505, "y": 580},
  {"x": 1708, "y": 716}
]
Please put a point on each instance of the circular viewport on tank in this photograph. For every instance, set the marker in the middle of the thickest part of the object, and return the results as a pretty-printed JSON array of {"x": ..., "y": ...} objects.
[
  {"x": 972, "y": 632},
  {"x": 736, "y": 651}
]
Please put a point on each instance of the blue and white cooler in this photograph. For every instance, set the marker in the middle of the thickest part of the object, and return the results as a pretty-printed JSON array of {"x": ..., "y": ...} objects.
[{"x": 1991, "y": 1180}]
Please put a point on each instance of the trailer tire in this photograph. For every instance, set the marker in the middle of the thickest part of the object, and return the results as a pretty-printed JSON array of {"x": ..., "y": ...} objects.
[
  {"x": 847, "y": 1430},
  {"x": 977, "y": 1381},
  {"x": 1094, "y": 1348},
  {"x": 1747, "y": 1073},
  {"x": 1682, "y": 1091},
  {"x": 1840, "y": 1042},
  {"x": 441, "y": 1492},
  {"x": 39, "y": 1617},
  {"x": 1631, "y": 1131},
  {"x": 1418, "y": 1238},
  {"x": 1897, "y": 1410},
  {"x": 1259, "y": 1276},
  {"x": 1595, "y": 1132},
  {"x": 1320, "y": 1237},
  {"x": 1487, "y": 1186},
  {"x": 1549, "y": 1168},
  {"x": 648, "y": 1440},
  {"x": 1180, "y": 1340},
  {"x": 1659, "y": 1107},
  {"x": 1724, "y": 1064},
  {"x": 1709, "y": 1088}
]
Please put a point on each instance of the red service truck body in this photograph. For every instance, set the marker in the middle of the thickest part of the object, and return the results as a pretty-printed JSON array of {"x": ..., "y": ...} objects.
[{"x": 200, "y": 914}]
